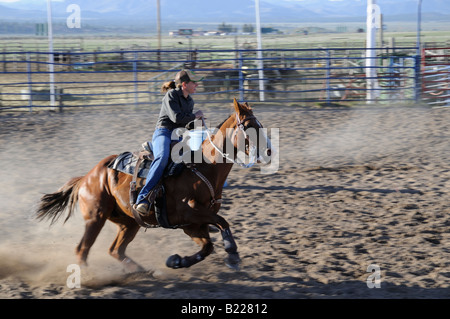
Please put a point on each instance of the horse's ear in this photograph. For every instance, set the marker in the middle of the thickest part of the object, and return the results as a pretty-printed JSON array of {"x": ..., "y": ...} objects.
[{"x": 237, "y": 106}]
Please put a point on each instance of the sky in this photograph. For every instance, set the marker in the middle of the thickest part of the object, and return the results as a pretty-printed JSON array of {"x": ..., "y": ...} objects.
[{"x": 63, "y": 0}]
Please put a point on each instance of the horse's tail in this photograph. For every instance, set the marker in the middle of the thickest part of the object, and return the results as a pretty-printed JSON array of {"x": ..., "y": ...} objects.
[{"x": 52, "y": 205}]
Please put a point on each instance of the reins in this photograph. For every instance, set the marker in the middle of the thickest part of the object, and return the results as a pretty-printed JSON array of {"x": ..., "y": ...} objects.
[{"x": 240, "y": 126}]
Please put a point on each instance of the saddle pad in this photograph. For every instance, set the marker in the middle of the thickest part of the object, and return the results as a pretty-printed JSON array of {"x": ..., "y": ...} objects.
[{"x": 126, "y": 163}]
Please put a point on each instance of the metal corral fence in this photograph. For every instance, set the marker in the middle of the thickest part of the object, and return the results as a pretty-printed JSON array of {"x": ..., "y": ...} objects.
[
  {"x": 134, "y": 77},
  {"x": 436, "y": 76}
]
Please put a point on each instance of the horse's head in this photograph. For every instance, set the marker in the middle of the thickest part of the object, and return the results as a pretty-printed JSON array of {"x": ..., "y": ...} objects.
[
  {"x": 240, "y": 139},
  {"x": 249, "y": 138}
]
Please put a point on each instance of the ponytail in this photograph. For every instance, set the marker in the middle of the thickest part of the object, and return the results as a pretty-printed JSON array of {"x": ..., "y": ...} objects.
[{"x": 168, "y": 86}]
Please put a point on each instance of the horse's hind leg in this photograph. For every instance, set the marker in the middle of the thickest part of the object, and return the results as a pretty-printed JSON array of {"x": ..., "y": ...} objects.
[
  {"x": 200, "y": 235},
  {"x": 127, "y": 231},
  {"x": 94, "y": 224},
  {"x": 95, "y": 206}
]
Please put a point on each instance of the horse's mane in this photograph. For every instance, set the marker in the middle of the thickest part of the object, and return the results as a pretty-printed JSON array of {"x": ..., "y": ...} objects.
[{"x": 218, "y": 126}]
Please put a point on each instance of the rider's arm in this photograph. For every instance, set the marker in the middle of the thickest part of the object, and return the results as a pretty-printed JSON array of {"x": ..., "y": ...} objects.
[{"x": 178, "y": 109}]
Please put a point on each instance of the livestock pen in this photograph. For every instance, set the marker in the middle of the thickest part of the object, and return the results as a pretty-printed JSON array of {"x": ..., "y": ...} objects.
[{"x": 134, "y": 77}]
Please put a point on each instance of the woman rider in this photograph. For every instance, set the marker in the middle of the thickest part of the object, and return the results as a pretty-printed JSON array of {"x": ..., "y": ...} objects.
[{"x": 176, "y": 111}]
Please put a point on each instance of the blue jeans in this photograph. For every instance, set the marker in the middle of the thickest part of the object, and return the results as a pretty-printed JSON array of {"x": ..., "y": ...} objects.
[{"x": 161, "y": 150}]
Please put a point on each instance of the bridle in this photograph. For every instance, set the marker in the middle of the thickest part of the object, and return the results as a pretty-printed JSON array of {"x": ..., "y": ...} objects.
[{"x": 239, "y": 128}]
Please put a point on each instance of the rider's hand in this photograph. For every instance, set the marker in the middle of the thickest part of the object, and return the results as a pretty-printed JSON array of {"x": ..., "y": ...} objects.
[{"x": 198, "y": 114}]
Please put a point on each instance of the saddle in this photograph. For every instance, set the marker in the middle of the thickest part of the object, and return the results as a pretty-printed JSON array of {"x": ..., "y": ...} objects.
[{"x": 137, "y": 164}]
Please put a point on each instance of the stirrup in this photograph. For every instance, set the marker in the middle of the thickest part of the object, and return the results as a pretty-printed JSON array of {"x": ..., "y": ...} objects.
[
  {"x": 149, "y": 202},
  {"x": 143, "y": 208}
]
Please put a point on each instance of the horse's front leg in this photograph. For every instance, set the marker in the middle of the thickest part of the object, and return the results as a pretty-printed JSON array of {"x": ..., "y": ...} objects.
[
  {"x": 232, "y": 260},
  {"x": 200, "y": 235}
]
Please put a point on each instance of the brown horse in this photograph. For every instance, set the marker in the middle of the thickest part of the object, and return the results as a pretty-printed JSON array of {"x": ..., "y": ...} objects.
[{"x": 192, "y": 202}]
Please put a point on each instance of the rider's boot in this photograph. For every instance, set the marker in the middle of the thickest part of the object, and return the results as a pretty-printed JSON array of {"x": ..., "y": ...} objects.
[{"x": 143, "y": 207}]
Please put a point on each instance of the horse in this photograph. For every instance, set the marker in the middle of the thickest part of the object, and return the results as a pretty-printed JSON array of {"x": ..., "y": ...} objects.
[{"x": 193, "y": 197}]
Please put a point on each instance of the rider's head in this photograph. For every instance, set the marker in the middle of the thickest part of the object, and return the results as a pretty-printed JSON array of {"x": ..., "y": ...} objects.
[
  {"x": 188, "y": 81},
  {"x": 187, "y": 76},
  {"x": 185, "y": 79}
]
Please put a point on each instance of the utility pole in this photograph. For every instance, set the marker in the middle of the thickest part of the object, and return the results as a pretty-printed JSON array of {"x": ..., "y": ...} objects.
[
  {"x": 259, "y": 53},
  {"x": 158, "y": 10},
  {"x": 51, "y": 60},
  {"x": 373, "y": 21},
  {"x": 419, "y": 18}
]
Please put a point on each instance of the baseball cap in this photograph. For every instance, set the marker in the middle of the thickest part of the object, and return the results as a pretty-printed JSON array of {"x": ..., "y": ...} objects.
[{"x": 187, "y": 75}]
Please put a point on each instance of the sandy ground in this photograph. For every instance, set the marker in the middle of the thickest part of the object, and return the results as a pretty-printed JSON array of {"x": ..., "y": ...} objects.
[{"x": 356, "y": 188}]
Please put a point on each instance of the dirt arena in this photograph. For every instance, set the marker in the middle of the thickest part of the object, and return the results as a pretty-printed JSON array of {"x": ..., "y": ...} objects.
[{"x": 355, "y": 189}]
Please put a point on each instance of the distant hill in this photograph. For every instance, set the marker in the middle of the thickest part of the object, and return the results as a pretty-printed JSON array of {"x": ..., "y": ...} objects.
[
  {"x": 145, "y": 10},
  {"x": 216, "y": 11},
  {"x": 104, "y": 14}
]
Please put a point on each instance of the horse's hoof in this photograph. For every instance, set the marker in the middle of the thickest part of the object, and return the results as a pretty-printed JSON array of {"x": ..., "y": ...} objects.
[
  {"x": 174, "y": 261},
  {"x": 233, "y": 261}
]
